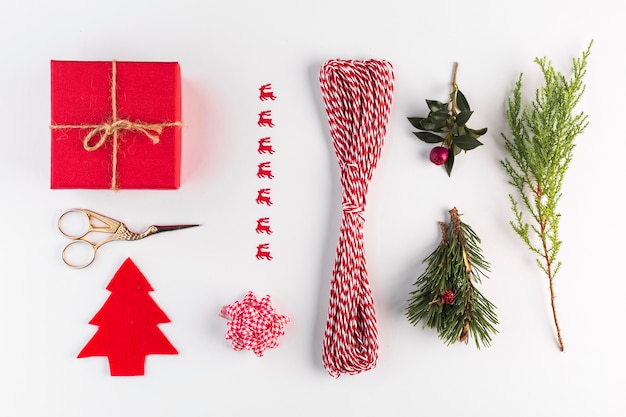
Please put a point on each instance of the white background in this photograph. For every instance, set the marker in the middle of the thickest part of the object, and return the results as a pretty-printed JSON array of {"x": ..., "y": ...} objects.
[{"x": 226, "y": 51}]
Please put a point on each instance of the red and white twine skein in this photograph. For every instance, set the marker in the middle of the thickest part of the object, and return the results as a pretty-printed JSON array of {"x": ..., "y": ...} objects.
[{"x": 357, "y": 96}]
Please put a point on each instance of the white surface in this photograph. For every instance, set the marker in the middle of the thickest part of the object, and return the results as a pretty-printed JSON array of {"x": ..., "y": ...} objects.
[{"x": 226, "y": 51}]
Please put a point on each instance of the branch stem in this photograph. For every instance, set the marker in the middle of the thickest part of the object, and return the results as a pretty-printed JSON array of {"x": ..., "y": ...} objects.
[
  {"x": 456, "y": 67},
  {"x": 551, "y": 281},
  {"x": 455, "y": 219},
  {"x": 455, "y": 87},
  {"x": 543, "y": 224}
]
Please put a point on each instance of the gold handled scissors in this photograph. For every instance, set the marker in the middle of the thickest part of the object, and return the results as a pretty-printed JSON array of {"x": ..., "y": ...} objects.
[{"x": 115, "y": 229}]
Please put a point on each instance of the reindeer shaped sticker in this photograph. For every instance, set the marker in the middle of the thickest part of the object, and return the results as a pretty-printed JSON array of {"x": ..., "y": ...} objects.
[
  {"x": 265, "y": 92},
  {"x": 264, "y": 171},
  {"x": 263, "y": 251},
  {"x": 263, "y": 225},
  {"x": 265, "y": 146},
  {"x": 265, "y": 119},
  {"x": 263, "y": 197}
]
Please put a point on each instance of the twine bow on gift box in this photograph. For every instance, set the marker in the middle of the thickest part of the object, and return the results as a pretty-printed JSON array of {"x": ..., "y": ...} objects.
[{"x": 110, "y": 129}]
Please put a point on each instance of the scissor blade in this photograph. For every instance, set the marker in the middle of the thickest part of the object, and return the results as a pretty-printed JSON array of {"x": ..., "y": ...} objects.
[{"x": 160, "y": 229}]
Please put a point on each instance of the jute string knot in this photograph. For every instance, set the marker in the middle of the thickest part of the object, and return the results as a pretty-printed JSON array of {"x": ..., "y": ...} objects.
[{"x": 110, "y": 129}]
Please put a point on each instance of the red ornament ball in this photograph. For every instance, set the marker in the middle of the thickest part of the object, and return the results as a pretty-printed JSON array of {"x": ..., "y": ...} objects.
[
  {"x": 448, "y": 297},
  {"x": 438, "y": 155}
]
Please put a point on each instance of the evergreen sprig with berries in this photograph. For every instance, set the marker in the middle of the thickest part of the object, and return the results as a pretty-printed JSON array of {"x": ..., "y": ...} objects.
[
  {"x": 446, "y": 297},
  {"x": 446, "y": 124}
]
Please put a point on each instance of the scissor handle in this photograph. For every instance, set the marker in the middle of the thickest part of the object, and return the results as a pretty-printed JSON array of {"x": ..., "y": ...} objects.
[
  {"x": 73, "y": 235},
  {"x": 88, "y": 260},
  {"x": 110, "y": 225}
]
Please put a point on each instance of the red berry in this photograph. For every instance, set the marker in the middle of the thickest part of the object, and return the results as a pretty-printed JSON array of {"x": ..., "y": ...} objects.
[
  {"x": 438, "y": 155},
  {"x": 448, "y": 297}
]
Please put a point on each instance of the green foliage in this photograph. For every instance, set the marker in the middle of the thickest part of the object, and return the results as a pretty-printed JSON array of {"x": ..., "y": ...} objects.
[
  {"x": 455, "y": 266},
  {"x": 446, "y": 123},
  {"x": 539, "y": 153},
  {"x": 540, "y": 148}
]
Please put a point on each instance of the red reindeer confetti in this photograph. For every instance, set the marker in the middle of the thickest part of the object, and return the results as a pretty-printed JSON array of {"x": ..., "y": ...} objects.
[
  {"x": 265, "y": 146},
  {"x": 265, "y": 119},
  {"x": 263, "y": 225},
  {"x": 263, "y": 252},
  {"x": 263, "y": 197},
  {"x": 266, "y": 93},
  {"x": 264, "y": 170}
]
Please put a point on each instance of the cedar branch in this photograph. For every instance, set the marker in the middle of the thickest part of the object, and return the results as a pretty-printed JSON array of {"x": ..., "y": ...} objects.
[{"x": 543, "y": 225}]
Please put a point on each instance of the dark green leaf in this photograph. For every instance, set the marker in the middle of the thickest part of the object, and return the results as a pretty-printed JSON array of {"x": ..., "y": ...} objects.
[
  {"x": 457, "y": 130},
  {"x": 466, "y": 142},
  {"x": 441, "y": 124},
  {"x": 432, "y": 125},
  {"x": 449, "y": 163},
  {"x": 461, "y": 101},
  {"x": 455, "y": 149},
  {"x": 477, "y": 133},
  {"x": 439, "y": 115},
  {"x": 463, "y": 117},
  {"x": 416, "y": 121},
  {"x": 428, "y": 124},
  {"x": 436, "y": 106},
  {"x": 428, "y": 137}
]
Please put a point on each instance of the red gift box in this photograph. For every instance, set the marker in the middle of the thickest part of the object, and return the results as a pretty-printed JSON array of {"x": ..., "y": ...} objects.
[{"x": 115, "y": 125}]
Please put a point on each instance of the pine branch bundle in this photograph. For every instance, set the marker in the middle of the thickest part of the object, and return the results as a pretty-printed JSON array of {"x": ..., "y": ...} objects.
[
  {"x": 539, "y": 152},
  {"x": 446, "y": 297}
]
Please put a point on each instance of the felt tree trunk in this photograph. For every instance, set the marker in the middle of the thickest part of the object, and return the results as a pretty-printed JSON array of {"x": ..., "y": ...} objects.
[{"x": 128, "y": 324}]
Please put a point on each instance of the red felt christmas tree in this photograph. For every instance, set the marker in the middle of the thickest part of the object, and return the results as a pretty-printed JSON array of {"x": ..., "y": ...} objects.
[{"x": 128, "y": 324}]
